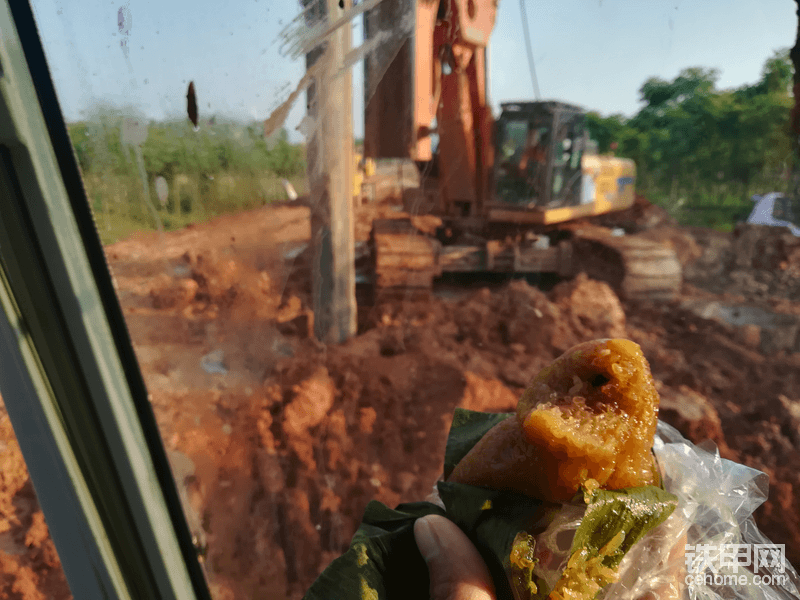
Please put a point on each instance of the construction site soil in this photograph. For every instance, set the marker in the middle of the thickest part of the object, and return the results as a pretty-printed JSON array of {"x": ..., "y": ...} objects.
[{"x": 278, "y": 441}]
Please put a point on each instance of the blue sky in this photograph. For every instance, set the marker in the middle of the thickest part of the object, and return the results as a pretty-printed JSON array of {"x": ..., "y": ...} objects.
[{"x": 596, "y": 53}]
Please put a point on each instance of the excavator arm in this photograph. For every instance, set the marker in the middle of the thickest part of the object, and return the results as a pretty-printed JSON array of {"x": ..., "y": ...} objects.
[
  {"x": 434, "y": 80},
  {"x": 435, "y": 84}
]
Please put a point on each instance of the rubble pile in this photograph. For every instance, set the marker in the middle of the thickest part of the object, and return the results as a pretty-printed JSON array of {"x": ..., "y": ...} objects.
[{"x": 757, "y": 262}]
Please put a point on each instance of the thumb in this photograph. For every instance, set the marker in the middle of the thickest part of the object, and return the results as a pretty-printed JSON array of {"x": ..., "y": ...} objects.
[{"x": 457, "y": 571}]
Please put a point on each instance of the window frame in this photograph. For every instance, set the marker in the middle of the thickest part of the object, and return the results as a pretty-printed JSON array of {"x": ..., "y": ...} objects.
[{"x": 69, "y": 376}]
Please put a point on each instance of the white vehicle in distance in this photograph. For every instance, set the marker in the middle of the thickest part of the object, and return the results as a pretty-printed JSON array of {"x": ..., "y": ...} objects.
[{"x": 776, "y": 209}]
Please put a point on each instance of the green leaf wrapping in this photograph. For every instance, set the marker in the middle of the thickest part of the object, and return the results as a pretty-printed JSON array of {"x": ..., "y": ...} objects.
[
  {"x": 621, "y": 510},
  {"x": 491, "y": 520},
  {"x": 466, "y": 430},
  {"x": 383, "y": 562}
]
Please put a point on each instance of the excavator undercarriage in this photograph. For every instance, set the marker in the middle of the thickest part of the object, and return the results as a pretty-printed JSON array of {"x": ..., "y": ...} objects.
[
  {"x": 512, "y": 195},
  {"x": 406, "y": 261}
]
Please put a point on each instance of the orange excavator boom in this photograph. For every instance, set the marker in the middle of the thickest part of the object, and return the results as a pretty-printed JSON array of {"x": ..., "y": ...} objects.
[{"x": 435, "y": 84}]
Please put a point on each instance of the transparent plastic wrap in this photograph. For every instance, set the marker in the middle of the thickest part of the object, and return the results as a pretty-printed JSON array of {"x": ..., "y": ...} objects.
[
  {"x": 704, "y": 551},
  {"x": 710, "y": 548}
]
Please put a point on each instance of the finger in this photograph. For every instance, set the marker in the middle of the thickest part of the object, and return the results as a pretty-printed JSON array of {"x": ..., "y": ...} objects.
[{"x": 456, "y": 569}]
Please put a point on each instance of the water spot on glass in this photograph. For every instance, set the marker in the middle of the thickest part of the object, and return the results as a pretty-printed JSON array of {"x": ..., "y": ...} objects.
[
  {"x": 124, "y": 23},
  {"x": 60, "y": 11},
  {"x": 162, "y": 190},
  {"x": 133, "y": 132},
  {"x": 124, "y": 20},
  {"x": 146, "y": 81}
]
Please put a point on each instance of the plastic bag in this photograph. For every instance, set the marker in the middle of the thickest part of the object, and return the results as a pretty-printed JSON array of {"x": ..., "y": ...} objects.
[
  {"x": 701, "y": 551},
  {"x": 717, "y": 498}
]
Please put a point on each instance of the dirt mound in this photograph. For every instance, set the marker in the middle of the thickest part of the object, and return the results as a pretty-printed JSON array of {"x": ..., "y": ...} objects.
[
  {"x": 756, "y": 262},
  {"x": 641, "y": 216},
  {"x": 543, "y": 325},
  {"x": 487, "y": 395},
  {"x": 338, "y": 428},
  {"x": 396, "y": 385},
  {"x": 693, "y": 415},
  {"x": 215, "y": 285},
  {"x": 226, "y": 284},
  {"x": 766, "y": 248},
  {"x": 590, "y": 309}
]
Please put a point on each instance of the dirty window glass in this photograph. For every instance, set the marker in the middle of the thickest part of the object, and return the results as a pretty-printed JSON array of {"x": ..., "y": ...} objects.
[{"x": 270, "y": 179}]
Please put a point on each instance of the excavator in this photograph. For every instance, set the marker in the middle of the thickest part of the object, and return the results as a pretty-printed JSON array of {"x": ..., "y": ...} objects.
[{"x": 511, "y": 195}]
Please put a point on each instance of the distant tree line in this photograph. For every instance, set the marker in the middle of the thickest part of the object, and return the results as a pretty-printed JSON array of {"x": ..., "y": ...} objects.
[
  {"x": 224, "y": 166},
  {"x": 702, "y": 152}
]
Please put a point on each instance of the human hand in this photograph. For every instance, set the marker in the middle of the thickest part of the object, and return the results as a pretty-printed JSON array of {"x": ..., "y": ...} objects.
[{"x": 457, "y": 571}]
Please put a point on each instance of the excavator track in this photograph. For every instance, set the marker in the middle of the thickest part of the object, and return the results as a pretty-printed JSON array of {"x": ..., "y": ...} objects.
[
  {"x": 405, "y": 261},
  {"x": 636, "y": 267}
]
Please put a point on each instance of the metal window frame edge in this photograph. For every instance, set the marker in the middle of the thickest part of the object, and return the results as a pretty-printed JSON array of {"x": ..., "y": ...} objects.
[{"x": 86, "y": 433}]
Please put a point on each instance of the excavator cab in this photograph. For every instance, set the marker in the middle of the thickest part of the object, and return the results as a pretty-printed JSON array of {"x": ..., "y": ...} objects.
[{"x": 539, "y": 146}]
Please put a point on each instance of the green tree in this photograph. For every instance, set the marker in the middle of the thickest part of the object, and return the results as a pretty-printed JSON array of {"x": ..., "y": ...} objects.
[
  {"x": 605, "y": 130},
  {"x": 286, "y": 159},
  {"x": 696, "y": 145}
]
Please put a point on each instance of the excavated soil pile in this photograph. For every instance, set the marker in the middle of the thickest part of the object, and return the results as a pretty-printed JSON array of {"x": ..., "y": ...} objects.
[
  {"x": 332, "y": 428},
  {"x": 641, "y": 216},
  {"x": 279, "y": 442},
  {"x": 756, "y": 262},
  {"x": 748, "y": 280}
]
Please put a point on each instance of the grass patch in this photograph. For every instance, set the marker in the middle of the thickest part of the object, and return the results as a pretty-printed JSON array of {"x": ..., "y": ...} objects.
[
  {"x": 717, "y": 206},
  {"x": 119, "y": 209}
]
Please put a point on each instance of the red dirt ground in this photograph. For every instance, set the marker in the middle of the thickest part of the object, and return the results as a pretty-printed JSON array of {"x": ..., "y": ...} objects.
[{"x": 279, "y": 455}]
